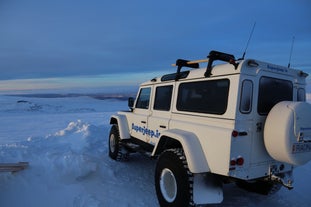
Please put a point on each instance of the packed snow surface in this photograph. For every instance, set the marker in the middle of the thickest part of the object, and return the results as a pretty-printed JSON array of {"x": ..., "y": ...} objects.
[{"x": 65, "y": 142}]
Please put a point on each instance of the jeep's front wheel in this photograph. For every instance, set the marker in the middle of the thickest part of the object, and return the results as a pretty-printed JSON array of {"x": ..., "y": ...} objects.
[
  {"x": 115, "y": 147},
  {"x": 173, "y": 180}
]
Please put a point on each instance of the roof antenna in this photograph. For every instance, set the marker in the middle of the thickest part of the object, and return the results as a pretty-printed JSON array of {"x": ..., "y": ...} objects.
[
  {"x": 250, "y": 36},
  {"x": 291, "y": 52}
]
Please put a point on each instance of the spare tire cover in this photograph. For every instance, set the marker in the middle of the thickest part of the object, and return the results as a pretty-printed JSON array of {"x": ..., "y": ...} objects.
[{"x": 287, "y": 132}]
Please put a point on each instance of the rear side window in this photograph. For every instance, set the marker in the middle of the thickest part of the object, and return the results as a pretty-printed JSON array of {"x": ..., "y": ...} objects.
[
  {"x": 204, "y": 97},
  {"x": 301, "y": 94},
  {"x": 271, "y": 92},
  {"x": 143, "y": 98},
  {"x": 163, "y": 98},
  {"x": 246, "y": 97}
]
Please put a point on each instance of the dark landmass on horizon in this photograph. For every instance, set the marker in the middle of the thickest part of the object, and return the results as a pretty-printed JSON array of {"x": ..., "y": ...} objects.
[{"x": 100, "y": 96}]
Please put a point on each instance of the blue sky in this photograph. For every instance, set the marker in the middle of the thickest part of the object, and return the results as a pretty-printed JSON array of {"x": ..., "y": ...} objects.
[{"x": 75, "y": 42}]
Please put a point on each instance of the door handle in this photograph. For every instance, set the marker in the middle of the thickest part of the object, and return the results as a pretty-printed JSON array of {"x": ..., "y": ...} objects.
[
  {"x": 162, "y": 126},
  {"x": 143, "y": 122}
]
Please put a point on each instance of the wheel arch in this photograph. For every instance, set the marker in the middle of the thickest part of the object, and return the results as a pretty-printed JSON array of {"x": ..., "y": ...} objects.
[
  {"x": 122, "y": 123},
  {"x": 166, "y": 142},
  {"x": 189, "y": 142}
]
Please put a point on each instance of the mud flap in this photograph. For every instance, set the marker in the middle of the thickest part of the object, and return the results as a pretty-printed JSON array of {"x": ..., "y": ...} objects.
[{"x": 207, "y": 189}]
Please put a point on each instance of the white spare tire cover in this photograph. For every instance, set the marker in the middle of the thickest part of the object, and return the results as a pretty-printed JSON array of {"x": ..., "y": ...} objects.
[{"x": 287, "y": 132}]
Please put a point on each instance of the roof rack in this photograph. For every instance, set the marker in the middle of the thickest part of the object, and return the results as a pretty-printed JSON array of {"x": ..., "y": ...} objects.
[{"x": 213, "y": 55}]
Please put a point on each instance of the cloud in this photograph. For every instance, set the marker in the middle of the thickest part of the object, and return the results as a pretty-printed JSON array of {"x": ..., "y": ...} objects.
[
  {"x": 72, "y": 38},
  {"x": 126, "y": 81}
]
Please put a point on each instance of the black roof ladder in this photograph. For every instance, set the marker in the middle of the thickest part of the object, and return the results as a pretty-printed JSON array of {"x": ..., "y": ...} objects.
[
  {"x": 184, "y": 63},
  {"x": 213, "y": 55}
]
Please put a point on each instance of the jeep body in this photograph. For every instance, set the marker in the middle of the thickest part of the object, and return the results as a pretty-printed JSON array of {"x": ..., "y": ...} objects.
[{"x": 217, "y": 116}]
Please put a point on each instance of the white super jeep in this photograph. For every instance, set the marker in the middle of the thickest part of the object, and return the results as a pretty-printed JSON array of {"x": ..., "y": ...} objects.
[{"x": 244, "y": 121}]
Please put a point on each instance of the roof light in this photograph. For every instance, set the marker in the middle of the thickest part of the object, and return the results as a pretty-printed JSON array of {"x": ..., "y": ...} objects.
[
  {"x": 252, "y": 63},
  {"x": 303, "y": 74}
]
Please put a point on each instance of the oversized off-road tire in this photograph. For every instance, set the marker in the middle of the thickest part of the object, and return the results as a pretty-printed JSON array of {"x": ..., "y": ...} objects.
[
  {"x": 116, "y": 151},
  {"x": 173, "y": 180},
  {"x": 287, "y": 132}
]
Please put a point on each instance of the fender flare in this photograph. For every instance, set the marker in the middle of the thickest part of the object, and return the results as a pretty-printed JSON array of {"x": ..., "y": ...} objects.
[
  {"x": 191, "y": 145},
  {"x": 122, "y": 123}
]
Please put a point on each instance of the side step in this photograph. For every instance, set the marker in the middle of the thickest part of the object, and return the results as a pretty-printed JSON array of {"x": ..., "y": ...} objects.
[{"x": 13, "y": 167}]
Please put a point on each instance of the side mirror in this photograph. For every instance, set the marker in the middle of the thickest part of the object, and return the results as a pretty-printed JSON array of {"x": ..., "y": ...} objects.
[{"x": 130, "y": 103}]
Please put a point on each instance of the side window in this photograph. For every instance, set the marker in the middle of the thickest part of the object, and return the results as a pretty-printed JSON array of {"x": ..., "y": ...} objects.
[
  {"x": 163, "y": 98},
  {"x": 301, "y": 94},
  {"x": 204, "y": 96},
  {"x": 246, "y": 97},
  {"x": 143, "y": 98},
  {"x": 271, "y": 92}
]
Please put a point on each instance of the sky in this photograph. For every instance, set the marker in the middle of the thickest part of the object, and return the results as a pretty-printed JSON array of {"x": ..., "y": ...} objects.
[{"x": 79, "y": 43}]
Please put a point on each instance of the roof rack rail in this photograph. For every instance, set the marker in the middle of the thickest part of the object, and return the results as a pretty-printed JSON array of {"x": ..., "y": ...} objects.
[{"x": 213, "y": 55}]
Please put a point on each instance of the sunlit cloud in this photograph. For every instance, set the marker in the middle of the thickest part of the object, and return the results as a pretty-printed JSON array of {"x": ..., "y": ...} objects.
[{"x": 77, "y": 82}]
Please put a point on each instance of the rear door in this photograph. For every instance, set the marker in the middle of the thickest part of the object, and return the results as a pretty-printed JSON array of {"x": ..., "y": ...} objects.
[{"x": 270, "y": 90}]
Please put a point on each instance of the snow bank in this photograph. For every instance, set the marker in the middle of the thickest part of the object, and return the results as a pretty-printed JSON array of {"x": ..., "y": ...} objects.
[
  {"x": 73, "y": 150},
  {"x": 68, "y": 155},
  {"x": 66, "y": 147},
  {"x": 64, "y": 168}
]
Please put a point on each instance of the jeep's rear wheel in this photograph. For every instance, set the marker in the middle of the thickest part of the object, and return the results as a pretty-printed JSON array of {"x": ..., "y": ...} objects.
[
  {"x": 260, "y": 187},
  {"x": 116, "y": 150},
  {"x": 173, "y": 180}
]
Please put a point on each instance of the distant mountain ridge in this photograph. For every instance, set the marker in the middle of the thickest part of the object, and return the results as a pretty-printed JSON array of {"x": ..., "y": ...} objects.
[{"x": 100, "y": 96}]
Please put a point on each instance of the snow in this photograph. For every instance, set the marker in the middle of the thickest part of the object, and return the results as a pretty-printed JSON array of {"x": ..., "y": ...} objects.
[{"x": 65, "y": 141}]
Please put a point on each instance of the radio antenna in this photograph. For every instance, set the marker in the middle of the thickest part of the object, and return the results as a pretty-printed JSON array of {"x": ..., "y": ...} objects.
[
  {"x": 291, "y": 52},
  {"x": 250, "y": 36}
]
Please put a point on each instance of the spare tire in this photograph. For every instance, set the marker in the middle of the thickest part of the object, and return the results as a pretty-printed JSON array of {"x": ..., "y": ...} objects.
[{"x": 287, "y": 132}]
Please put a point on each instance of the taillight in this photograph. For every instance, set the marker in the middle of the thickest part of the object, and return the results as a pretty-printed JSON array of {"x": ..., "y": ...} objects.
[
  {"x": 236, "y": 162},
  {"x": 235, "y": 133},
  {"x": 240, "y": 161},
  {"x": 232, "y": 162}
]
